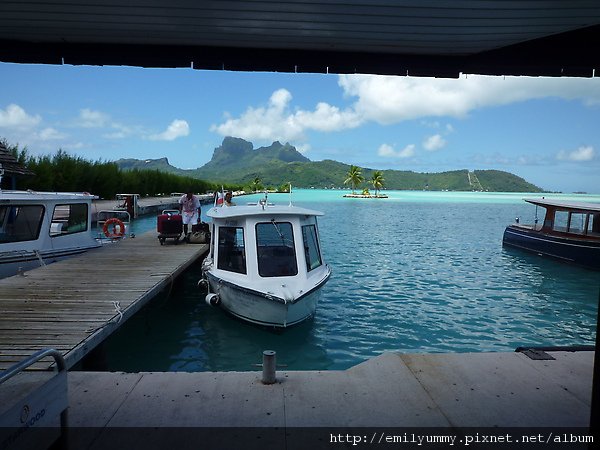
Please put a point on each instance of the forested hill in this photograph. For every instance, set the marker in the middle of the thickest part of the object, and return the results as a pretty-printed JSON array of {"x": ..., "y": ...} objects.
[{"x": 237, "y": 162}]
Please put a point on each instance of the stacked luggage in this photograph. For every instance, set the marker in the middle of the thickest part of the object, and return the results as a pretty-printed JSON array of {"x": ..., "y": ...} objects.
[{"x": 169, "y": 225}]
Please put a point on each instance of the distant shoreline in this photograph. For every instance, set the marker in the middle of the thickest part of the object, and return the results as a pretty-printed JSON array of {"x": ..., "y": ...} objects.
[{"x": 365, "y": 196}]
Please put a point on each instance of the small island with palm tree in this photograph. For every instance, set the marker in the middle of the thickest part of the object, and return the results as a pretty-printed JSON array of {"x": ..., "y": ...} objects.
[{"x": 355, "y": 178}]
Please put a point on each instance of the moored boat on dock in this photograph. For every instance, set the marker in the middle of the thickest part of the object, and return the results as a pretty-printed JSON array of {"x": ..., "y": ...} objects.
[
  {"x": 37, "y": 228},
  {"x": 570, "y": 232},
  {"x": 265, "y": 264}
]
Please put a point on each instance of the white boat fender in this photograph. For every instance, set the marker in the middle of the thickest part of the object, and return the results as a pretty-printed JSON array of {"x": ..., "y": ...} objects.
[
  {"x": 202, "y": 283},
  {"x": 212, "y": 299}
]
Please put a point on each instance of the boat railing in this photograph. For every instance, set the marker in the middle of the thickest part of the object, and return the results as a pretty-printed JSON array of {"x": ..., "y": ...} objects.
[
  {"x": 37, "y": 408},
  {"x": 106, "y": 214},
  {"x": 529, "y": 226}
]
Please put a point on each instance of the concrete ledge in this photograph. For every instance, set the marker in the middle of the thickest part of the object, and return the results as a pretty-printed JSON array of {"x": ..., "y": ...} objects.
[{"x": 392, "y": 390}]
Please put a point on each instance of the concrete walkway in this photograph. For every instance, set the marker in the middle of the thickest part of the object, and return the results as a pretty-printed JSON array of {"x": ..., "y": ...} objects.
[{"x": 392, "y": 390}]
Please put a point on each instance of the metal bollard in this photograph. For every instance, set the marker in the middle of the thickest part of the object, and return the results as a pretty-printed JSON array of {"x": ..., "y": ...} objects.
[{"x": 269, "y": 363}]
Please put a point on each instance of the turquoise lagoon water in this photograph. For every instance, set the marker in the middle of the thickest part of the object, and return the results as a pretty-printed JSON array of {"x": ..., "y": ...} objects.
[{"x": 417, "y": 272}]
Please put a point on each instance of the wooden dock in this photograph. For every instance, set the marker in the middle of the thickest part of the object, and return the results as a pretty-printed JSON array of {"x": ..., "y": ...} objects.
[{"x": 73, "y": 305}]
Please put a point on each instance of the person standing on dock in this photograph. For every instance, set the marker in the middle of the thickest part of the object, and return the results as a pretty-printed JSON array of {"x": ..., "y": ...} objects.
[{"x": 189, "y": 205}]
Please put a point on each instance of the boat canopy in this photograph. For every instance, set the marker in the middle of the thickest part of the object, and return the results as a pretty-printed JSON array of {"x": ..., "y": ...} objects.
[
  {"x": 564, "y": 204},
  {"x": 224, "y": 212},
  {"x": 46, "y": 196}
]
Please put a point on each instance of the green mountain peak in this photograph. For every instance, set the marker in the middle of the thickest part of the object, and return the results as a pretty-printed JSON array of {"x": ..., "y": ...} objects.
[{"x": 236, "y": 161}]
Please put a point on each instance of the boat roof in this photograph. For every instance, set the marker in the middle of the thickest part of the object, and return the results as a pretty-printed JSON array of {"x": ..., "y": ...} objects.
[
  {"x": 564, "y": 204},
  {"x": 224, "y": 212},
  {"x": 45, "y": 196}
]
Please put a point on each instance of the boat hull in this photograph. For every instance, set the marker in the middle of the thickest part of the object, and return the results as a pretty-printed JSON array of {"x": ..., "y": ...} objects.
[
  {"x": 581, "y": 252},
  {"x": 263, "y": 309}
]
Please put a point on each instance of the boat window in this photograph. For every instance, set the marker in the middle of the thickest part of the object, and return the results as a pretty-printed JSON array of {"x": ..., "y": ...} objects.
[
  {"x": 20, "y": 222},
  {"x": 69, "y": 218},
  {"x": 311, "y": 247},
  {"x": 577, "y": 223},
  {"x": 561, "y": 219},
  {"x": 275, "y": 249},
  {"x": 594, "y": 224},
  {"x": 232, "y": 251}
]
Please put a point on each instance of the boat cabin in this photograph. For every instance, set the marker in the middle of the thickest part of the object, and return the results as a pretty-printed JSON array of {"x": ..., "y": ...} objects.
[
  {"x": 577, "y": 218},
  {"x": 39, "y": 227},
  {"x": 278, "y": 245}
]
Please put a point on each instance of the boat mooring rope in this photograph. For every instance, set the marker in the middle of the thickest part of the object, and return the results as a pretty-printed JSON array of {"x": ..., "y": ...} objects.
[{"x": 117, "y": 306}]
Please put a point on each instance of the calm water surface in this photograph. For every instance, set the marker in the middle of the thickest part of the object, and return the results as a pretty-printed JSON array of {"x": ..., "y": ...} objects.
[{"x": 417, "y": 272}]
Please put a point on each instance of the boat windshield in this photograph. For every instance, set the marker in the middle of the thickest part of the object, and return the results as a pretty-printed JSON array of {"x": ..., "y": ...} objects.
[
  {"x": 275, "y": 249},
  {"x": 69, "y": 218},
  {"x": 575, "y": 222},
  {"x": 311, "y": 247},
  {"x": 232, "y": 250},
  {"x": 20, "y": 222}
]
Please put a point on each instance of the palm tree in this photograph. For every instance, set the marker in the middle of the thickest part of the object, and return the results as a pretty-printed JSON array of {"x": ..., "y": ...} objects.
[
  {"x": 256, "y": 184},
  {"x": 377, "y": 181},
  {"x": 354, "y": 177}
]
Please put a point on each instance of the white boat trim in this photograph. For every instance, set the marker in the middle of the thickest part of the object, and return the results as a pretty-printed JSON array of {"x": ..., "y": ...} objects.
[{"x": 55, "y": 229}]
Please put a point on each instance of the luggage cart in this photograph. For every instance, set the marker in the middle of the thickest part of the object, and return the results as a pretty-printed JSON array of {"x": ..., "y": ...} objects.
[{"x": 169, "y": 225}]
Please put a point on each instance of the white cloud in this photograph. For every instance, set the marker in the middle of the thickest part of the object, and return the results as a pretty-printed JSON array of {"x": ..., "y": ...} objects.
[
  {"x": 122, "y": 131},
  {"x": 277, "y": 122},
  {"x": 177, "y": 129},
  {"x": 303, "y": 148},
  {"x": 388, "y": 151},
  {"x": 326, "y": 118},
  {"x": 48, "y": 134},
  {"x": 92, "y": 119},
  {"x": 581, "y": 154},
  {"x": 15, "y": 117},
  {"x": 387, "y": 100},
  {"x": 280, "y": 99},
  {"x": 434, "y": 143},
  {"x": 265, "y": 123},
  {"x": 89, "y": 118}
]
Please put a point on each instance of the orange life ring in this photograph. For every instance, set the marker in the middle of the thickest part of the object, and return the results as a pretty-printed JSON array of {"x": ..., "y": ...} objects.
[{"x": 116, "y": 232}]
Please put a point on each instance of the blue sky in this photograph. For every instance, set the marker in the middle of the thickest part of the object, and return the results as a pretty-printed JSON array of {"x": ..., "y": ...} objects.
[{"x": 546, "y": 130}]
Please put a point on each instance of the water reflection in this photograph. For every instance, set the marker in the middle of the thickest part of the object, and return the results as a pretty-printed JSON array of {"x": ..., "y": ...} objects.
[{"x": 177, "y": 331}]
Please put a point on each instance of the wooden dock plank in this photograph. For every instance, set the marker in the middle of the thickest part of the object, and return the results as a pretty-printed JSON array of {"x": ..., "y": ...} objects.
[{"x": 70, "y": 305}]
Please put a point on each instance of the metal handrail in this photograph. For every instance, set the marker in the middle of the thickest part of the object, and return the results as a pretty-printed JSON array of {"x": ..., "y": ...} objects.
[
  {"x": 13, "y": 370},
  {"x": 115, "y": 213},
  {"x": 63, "y": 442}
]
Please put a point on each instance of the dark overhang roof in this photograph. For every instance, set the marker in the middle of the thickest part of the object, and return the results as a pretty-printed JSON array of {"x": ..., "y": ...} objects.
[
  {"x": 415, "y": 37},
  {"x": 10, "y": 165}
]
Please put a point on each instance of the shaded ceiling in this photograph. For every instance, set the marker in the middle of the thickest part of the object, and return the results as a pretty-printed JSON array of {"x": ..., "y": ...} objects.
[{"x": 417, "y": 37}]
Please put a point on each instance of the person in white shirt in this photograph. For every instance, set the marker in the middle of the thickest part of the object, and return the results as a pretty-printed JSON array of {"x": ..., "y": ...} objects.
[{"x": 189, "y": 206}]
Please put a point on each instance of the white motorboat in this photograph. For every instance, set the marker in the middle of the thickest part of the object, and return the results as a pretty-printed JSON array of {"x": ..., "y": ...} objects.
[
  {"x": 265, "y": 264},
  {"x": 37, "y": 228}
]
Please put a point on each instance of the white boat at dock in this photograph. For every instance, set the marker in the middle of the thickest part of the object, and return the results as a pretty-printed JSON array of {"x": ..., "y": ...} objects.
[
  {"x": 37, "y": 228},
  {"x": 265, "y": 264}
]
